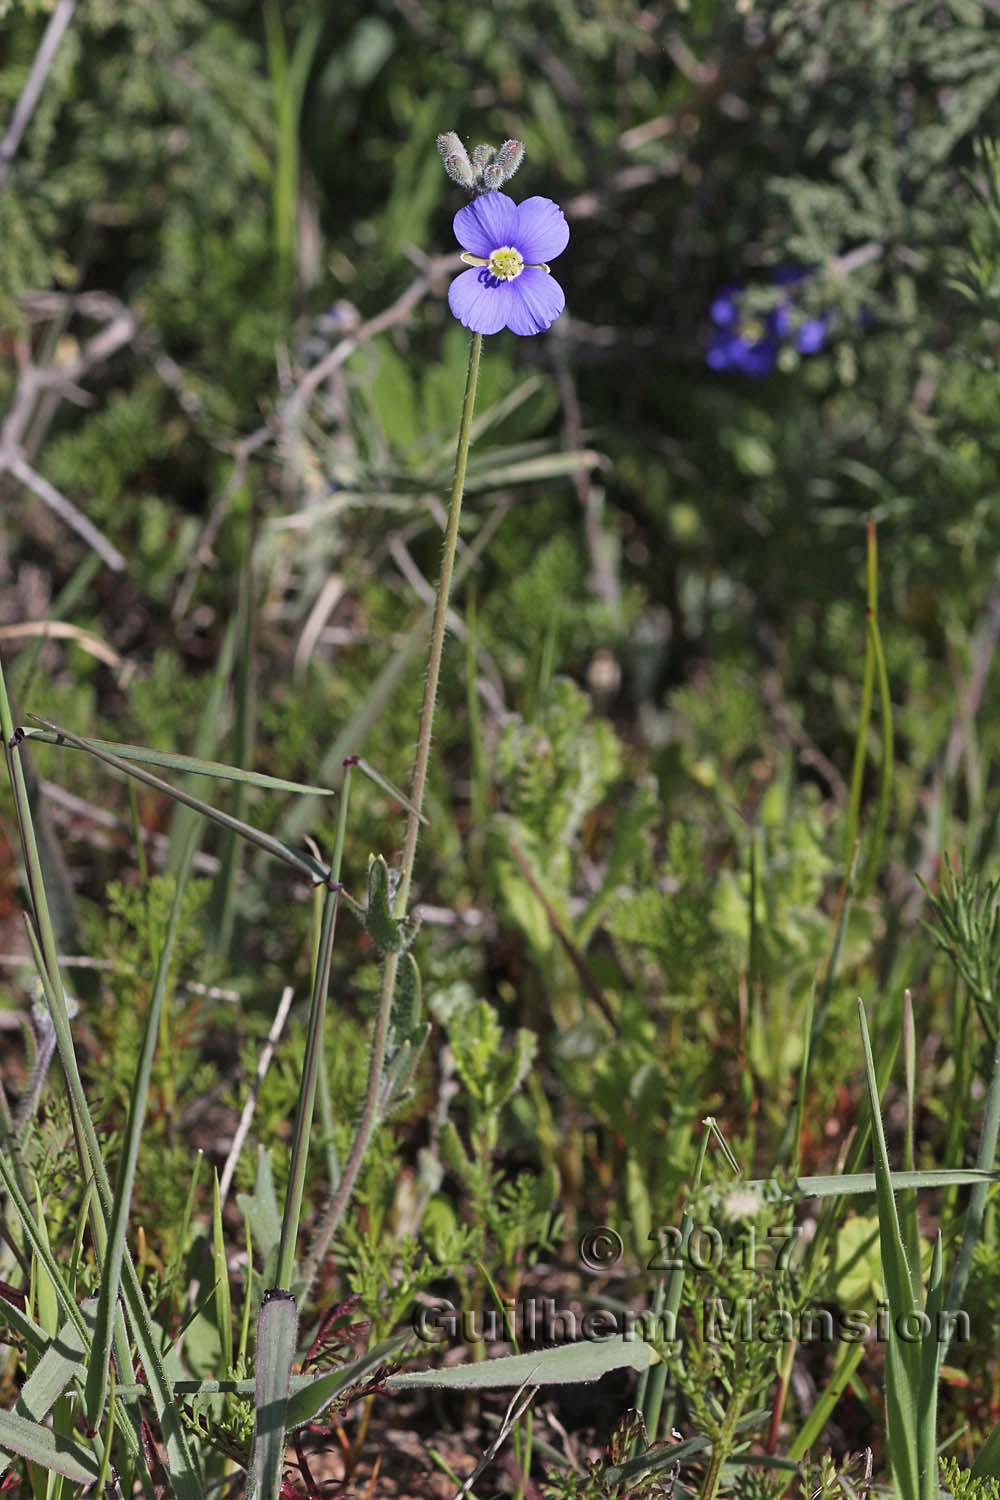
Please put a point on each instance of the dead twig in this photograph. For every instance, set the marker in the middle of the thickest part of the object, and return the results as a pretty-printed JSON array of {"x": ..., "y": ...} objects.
[{"x": 35, "y": 83}]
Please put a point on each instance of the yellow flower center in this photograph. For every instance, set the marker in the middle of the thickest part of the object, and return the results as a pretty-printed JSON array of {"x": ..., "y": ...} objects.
[{"x": 506, "y": 263}]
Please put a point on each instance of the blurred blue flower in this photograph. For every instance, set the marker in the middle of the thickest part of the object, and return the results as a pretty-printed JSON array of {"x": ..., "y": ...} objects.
[{"x": 749, "y": 345}]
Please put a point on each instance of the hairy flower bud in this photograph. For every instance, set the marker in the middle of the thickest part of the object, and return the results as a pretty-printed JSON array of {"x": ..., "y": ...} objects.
[
  {"x": 456, "y": 160},
  {"x": 481, "y": 156},
  {"x": 509, "y": 158},
  {"x": 493, "y": 177}
]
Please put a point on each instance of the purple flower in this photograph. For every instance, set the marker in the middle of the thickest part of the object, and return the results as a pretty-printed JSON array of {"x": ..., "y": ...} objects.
[
  {"x": 507, "y": 244},
  {"x": 751, "y": 346},
  {"x": 746, "y": 345}
]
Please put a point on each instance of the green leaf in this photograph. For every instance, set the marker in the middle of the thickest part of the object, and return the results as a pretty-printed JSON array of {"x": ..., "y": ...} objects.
[
  {"x": 223, "y": 1301},
  {"x": 304, "y": 863},
  {"x": 907, "y": 1435},
  {"x": 277, "y": 1332},
  {"x": 572, "y": 1364},
  {"x": 987, "y": 1465},
  {"x": 56, "y": 1454},
  {"x": 851, "y": 1184},
  {"x": 111, "y": 1270},
  {"x": 385, "y": 785},
  {"x": 192, "y": 764},
  {"x": 388, "y": 934},
  {"x": 261, "y": 1207},
  {"x": 312, "y": 1394},
  {"x": 406, "y": 1002}
]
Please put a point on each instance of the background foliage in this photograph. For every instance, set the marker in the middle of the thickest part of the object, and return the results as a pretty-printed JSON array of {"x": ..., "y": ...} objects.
[{"x": 641, "y": 817}]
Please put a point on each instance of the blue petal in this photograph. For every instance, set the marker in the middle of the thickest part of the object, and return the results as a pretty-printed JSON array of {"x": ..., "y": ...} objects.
[
  {"x": 536, "y": 302},
  {"x": 479, "y": 301},
  {"x": 486, "y": 223}
]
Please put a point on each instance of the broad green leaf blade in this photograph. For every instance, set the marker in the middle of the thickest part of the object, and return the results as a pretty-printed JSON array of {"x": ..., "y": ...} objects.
[
  {"x": 276, "y": 847},
  {"x": 312, "y": 1394},
  {"x": 61, "y": 1361},
  {"x": 277, "y": 1332},
  {"x": 853, "y": 1184},
  {"x": 571, "y": 1364},
  {"x": 58, "y": 1455},
  {"x": 192, "y": 764}
]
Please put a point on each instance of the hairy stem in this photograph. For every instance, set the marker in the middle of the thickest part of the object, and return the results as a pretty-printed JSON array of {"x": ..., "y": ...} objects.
[{"x": 370, "y": 1111}]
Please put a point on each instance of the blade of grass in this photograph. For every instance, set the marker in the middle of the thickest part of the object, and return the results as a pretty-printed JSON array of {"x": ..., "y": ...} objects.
[
  {"x": 223, "y": 1298},
  {"x": 223, "y": 905},
  {"x": 906, "y": 1441},
  {"x": 168, "y": 760},
  {"x": 98, "y": 1372},
  {"x": 303, "y": 863},
  {"x": 867, "y": 694},
  {"x": 849, "y": 1356},
  {"x": 183, "y": 1473},
  {"x": 886, "y": 767}
]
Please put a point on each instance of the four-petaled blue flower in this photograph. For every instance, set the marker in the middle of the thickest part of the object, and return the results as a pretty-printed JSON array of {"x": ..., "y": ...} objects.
[
  {"x": 751, "y": 346},
  {"x": 508, "y": 244}
]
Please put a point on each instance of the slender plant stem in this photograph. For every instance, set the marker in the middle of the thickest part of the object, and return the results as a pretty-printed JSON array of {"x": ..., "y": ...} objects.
[
  {"x": 370, "y": 1111},
  {"x": 867, "y": 693},
  {"x": 314, "y": 1060}
]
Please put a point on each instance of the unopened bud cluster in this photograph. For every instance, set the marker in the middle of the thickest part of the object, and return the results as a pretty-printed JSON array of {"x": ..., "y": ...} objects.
[{"x": 486, "y": 170}]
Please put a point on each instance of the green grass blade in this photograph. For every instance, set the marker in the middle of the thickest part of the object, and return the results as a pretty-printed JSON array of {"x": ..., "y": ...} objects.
[
  {"x": 222, "y": 913},
  {"x": 277, "y": 1332},
  {"x": 182, "y": 1471},
  {"x": 665, "y": 1455},
  {"x": 60, "y": 1363},
  {"x": 167, "y": 760},
  {"x": 902, "y": 1358},
  {"x": 40, "y": 1245},
  {"x": 849, "y": 1356},
  {"x": 864, "y": 717},
  {"x": 303, "y": 863},
  {"x": 312, "y": 1394},
  {"x": 886, "y": 767},
  {"x": 853, "y": 1184},
  {"x": 223, "y": 1298},
  {"x": 386, "y": 786},
  {"x": 99, "y": 1365},
  {"x": 987, "y": 1464},
  {"x": 307, "y": 1094}
]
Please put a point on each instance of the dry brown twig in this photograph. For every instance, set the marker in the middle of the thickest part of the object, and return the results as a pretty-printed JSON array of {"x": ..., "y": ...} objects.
[{"x": 34, "y": 84}]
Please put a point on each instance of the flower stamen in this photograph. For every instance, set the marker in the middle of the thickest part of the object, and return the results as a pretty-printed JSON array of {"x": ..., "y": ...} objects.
[{"x": 480, "y": 260}]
